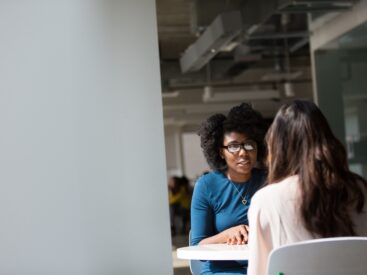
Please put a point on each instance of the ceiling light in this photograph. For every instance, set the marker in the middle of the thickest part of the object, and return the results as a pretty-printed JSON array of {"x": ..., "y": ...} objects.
[
  {"x": 173, "y": 94},
  {"x": 278, "y": 76},
  {"x": 244, "y": 95},
  {"x": 289, "y": 89}
]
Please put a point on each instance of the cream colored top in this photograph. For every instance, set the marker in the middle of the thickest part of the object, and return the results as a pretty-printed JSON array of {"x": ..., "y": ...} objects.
[{"x": 274, "y": 221}]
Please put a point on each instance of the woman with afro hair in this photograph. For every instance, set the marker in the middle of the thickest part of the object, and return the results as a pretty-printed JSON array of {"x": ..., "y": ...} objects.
[{"x": 234, "y": 148}]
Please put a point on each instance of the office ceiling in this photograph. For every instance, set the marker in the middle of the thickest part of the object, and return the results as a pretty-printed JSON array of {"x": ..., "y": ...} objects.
[{"x": 266, "y": 63}]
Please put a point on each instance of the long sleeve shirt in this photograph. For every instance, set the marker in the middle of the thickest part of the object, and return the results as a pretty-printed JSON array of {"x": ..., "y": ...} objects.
[
  {"x": 274, "y": 221},
  {"x": 216, "y": 206}
]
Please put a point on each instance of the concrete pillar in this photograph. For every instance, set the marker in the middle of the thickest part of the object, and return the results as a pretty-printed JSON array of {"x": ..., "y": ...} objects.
[{"x": 83, "y": 184}]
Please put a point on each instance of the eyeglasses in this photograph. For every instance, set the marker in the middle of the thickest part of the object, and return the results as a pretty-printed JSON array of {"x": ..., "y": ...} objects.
[{"x": 248, "y": 146}]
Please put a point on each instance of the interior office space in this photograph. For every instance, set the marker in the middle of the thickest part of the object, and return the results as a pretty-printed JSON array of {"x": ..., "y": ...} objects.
[
  {"x": 87, "y": 117},
  {"x": 276, "y": 51}
]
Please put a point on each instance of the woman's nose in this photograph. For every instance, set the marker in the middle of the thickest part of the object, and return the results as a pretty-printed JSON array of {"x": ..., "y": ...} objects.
[{"x": 242, "y": 152}]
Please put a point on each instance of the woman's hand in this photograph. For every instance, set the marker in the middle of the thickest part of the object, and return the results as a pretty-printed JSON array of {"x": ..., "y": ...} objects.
[
  {"x": 234, "y": 235},
  {"x": 237, "y": 234}
]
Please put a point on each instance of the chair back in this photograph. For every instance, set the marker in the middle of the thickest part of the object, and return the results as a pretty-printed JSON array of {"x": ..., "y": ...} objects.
[
  {"x": 329, "y": 256},
  {"x": 195, "y": 265}
]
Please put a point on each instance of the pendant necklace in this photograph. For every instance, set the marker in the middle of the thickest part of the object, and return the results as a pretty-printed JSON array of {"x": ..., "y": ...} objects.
[{"x": 244, "y": 201}]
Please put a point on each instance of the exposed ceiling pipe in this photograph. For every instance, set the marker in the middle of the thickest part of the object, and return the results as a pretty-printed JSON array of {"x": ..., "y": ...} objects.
[{"x": 216, "y": 37}]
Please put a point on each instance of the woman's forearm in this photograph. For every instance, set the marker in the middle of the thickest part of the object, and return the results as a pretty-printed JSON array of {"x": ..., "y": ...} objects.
[
  {"x": 219, "y": 238},
  {"x": 234, "y": 235}
]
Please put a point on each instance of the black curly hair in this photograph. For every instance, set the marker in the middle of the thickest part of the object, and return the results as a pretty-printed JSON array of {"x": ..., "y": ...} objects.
[{"x": 241, "y": 119}]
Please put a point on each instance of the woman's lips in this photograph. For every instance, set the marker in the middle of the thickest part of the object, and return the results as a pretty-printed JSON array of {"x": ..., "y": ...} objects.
[{"x": 244, "y": 163}]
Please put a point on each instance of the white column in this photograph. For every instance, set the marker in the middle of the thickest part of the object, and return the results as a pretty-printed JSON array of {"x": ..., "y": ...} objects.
[{"x": 82, "y": 167}]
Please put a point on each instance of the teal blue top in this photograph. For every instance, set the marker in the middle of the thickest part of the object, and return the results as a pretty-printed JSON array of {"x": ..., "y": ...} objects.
[{"x": 216, "y": 206}]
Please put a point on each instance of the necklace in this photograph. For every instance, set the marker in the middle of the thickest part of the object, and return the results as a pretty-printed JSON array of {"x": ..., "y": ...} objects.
[{"x": 244, "y": 201}]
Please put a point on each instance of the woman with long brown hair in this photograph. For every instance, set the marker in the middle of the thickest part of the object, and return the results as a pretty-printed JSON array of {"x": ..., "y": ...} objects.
[{"x": 311, "y": 192}]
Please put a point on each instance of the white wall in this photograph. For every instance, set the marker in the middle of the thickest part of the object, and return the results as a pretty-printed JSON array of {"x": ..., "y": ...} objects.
[
  {"x": 83, "y": 184},
  {"x": 173, "y": 146},
  {"x": 195, "y": 163},
  {"x": 183, "y": 153}
]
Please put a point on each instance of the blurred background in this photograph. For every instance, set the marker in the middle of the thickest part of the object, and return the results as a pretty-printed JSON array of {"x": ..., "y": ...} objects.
[{"x": 215, "y": 54}]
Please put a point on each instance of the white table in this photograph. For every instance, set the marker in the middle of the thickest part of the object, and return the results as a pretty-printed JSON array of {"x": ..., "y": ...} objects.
[{"x": 214, "y": 252}]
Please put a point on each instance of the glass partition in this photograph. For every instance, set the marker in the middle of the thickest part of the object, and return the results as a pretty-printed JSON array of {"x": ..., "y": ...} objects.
[{"x": 341, "y": 73}]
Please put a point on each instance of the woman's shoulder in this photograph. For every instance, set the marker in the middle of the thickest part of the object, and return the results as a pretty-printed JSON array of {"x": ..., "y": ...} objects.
[
  {"x": 210, "y": 176},
  {"x": 276, "y": 191},
  {"x": 210, "y": 179},
  {"x": 206, "y": 185}
]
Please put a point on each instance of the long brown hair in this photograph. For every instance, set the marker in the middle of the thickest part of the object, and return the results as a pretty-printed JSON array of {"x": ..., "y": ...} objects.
[{"x": 300, "y": 142}]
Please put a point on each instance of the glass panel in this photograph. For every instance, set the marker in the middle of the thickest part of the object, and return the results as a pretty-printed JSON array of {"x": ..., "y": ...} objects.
[{"x": 342, "y": 93}]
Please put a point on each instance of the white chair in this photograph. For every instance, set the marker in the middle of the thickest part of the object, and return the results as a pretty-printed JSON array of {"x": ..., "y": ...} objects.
[{"x": 329, "y": 256}]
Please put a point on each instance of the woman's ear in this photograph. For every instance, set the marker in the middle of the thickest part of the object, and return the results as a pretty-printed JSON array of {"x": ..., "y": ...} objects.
[{"x": 221, "y": 153}]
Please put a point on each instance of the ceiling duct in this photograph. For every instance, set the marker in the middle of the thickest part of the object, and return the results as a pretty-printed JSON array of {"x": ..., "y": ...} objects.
[
  {"x": 260, "y": 22},
  {"x": 267, "y": 21},
  {"x": 295, "y": 6},
  {"x": 217, "y": 36},
  {"x": 203, "y": 12},
  {"x": 256, "y": 13}
]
